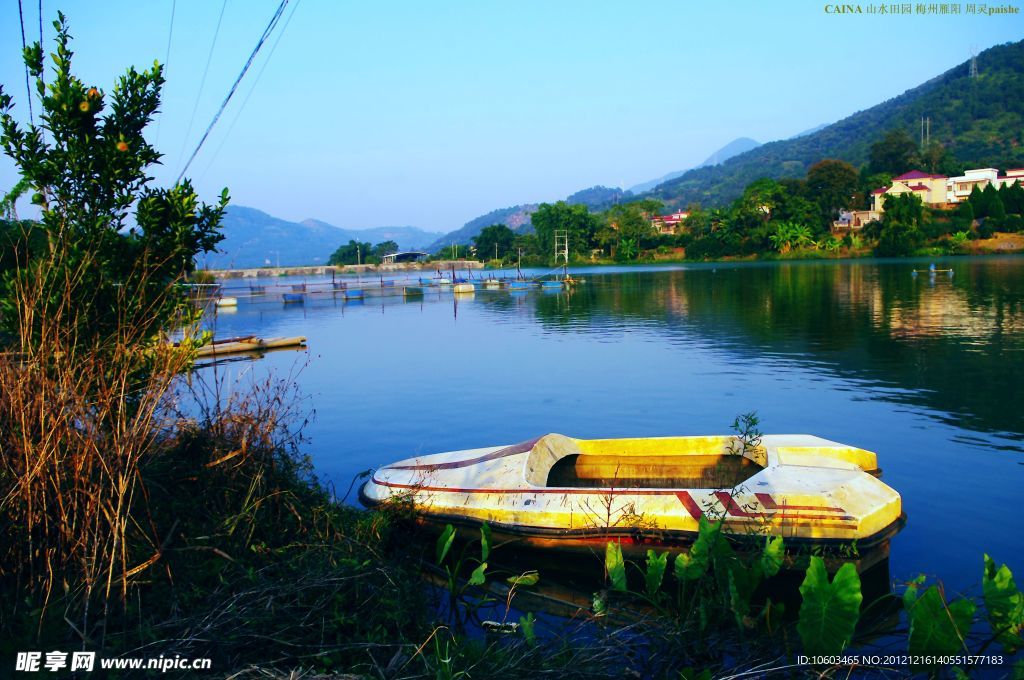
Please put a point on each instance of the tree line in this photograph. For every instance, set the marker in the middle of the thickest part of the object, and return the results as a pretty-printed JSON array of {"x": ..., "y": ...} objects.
[{"x": 773, "y": 216}]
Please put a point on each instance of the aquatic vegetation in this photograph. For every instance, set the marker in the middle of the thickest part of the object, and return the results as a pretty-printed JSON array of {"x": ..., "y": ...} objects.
[{"x": 829, "y": 612}]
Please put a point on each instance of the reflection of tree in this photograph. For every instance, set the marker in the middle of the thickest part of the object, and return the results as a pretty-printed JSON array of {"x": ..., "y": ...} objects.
[{"x": 950, "y": 345}]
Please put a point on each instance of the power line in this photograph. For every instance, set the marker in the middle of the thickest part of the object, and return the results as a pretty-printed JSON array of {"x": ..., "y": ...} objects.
[
  {"x": 202, "y": 83},
  {"x": 263, "y": 39},
  {"x": 167, "y": 60},
  {"x": 238, "y": 114},
  {"x": 28, "y": 85}
]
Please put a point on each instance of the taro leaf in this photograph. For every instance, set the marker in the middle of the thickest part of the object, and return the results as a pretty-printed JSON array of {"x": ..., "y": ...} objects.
[
  {"x": 615, "y": 566},
  {"x": 937, "y": 628},
  {"x": 655, "y": 572},
  {"x": 829, "y": 611},
  {"x": 692, "y": 565},
  {"x": 478, "y": 576},
  {"x": 910, "y": 595},
  {"x": 444, "y": 542},
  {"x": 485, "y": 541},
  {"x": 1004, "y": 605},
  {"x": 771, "y": 558},
  {"x": 526, "y": 626},
  {"x": 528, "y": 578},
  {"x": 689, "y": 673},
  {"x": 742, "y": 583},
  {"x": 600, "y": 604}
]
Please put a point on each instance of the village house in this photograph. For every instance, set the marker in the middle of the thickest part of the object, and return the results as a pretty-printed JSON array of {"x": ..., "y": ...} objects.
[
  {"x": 931, "y": 189},
  {"x": 941, "y": 191},
  {"x": 669, "y": 224},
  {"x": 851, "y": 221},
  {"x": 959, "y": 188}
]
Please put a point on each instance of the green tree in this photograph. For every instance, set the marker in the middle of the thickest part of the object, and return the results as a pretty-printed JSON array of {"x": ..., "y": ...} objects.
[
  {"x": 1013, "y": 198},
  {"x": 994, "y": 203},
  {"x": 900, "y": 231},
  {"x": 936, "y": 159},
  {"x": 577, "y": 220},
  {"x": 832, "y": 184},
  {"x": 384, "y": 248},
  {"x": 632, "y": 222},
  {"x": 352, "y": 252},
  {"x": 894, "y": 153},
  {"x": 964, "y": 216},
  {"x": 979, "y": 202},
  {"x": 495, "y": 241},
  {"x": 115, "y": 245}
]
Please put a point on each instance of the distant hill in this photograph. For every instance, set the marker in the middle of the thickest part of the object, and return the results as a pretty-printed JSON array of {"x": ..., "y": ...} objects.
[
  {"x": 598, "y": 197},
  {"x": 252, "y": 238},
  {"x": 979, "y": 120},
  {"x": 810, "y": 131},
  {"x": 736, "y": 146},
  {"x": 516, "y": 218}
]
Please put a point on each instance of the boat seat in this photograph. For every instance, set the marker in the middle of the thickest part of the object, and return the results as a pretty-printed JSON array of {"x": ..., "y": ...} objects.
[{"x": 688, "y": 471}]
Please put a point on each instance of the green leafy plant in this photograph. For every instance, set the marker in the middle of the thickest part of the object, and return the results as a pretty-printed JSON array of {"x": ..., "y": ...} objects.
[
  {"x": 615, "y": 566},
  {"x": 115, "y": 243},
  {"x": 935, "y": 626},
  {"x": 655, "y": 573},
  {"x": 830, "y": 610},
  {"x": 463, "y": 608},
  {"x": 1004, "y": 605}
]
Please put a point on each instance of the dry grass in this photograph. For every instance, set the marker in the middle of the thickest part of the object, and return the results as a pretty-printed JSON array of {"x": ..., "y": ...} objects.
[{"x": 79, "y": 416}]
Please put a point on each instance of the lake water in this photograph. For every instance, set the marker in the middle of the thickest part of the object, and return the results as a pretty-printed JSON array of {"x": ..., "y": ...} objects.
[{"x": 925, "y": 371}]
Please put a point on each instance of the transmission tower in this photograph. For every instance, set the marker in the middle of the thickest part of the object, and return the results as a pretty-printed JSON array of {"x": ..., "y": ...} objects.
[
  {"x": 974, "y": 64},
  {"x": 562, "y": 246}
]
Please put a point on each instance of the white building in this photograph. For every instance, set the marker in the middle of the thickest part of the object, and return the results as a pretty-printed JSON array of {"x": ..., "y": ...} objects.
[{"x": 959, "y": 188}]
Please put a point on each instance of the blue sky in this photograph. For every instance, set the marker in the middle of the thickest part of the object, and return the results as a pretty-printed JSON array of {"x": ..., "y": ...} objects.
[{"x": 430, "y": 114}]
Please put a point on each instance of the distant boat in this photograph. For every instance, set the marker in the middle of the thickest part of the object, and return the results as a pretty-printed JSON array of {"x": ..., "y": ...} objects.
[
  {"x": 227, "y": 302},
  {"x": 543, "y": 492},
  {"x": 354, "y": 294},
  {"x": 520, "y": 285},
  {"x": 293, "y": 298},
  {"x": 247, "y": 344},
  {"x": 552, "y": 285}
]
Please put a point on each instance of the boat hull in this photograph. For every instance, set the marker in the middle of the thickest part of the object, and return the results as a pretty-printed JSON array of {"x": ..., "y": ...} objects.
[{"x": 559, "y": 492}]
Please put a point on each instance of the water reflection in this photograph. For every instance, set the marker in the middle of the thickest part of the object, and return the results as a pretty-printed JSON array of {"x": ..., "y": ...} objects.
[{"x": 927, "y": 374}]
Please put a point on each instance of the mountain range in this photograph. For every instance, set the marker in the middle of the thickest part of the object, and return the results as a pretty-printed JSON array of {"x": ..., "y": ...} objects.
[
  {"x": 733, "y": 148},
  {"x": 979, "y": 119},
  {"x": 517, "y": 217},
  {"x": 252, "y": 238}
]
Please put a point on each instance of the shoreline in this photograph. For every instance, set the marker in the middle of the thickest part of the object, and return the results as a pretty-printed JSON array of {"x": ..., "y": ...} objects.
[{"x": 1003, "y": 244}]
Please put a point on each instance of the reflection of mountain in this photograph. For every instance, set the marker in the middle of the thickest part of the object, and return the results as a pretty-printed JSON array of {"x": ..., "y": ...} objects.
[{"x": 952, "y": 346}]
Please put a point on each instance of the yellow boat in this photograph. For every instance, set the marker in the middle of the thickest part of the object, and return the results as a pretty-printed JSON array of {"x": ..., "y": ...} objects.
[{"x": 561, "y": 492}]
